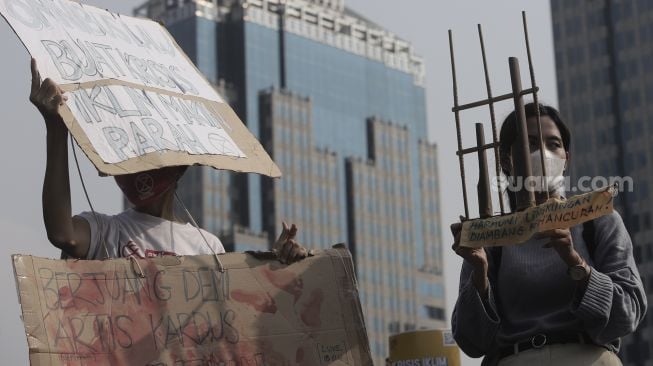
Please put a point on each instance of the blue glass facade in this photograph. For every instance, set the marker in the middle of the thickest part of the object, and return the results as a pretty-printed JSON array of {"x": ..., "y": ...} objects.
[
  {"x": 261, "y": 73},
  {"x": 346, "y": 128},
  {"x": 604, "y": 64},
  {"x": 346, "y": 89}
]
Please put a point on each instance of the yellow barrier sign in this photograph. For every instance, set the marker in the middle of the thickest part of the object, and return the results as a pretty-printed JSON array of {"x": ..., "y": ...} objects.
[{"x": 424, "y": 348}]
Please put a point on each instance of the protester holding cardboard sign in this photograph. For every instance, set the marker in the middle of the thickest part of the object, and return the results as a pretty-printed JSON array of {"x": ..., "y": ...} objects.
[
  {"x": 147, "y": 230},
  {"x": 566, "y": 295}
]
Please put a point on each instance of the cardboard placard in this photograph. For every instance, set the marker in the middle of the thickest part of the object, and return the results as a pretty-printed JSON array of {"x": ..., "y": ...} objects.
[
  {"x": 184, "y": 312},
  {"x": 136, "y": 102},
  {"x": 518, "y": 227}
]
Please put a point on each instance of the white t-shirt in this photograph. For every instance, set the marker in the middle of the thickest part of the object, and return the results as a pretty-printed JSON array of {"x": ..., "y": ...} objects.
[{"x": 133, "y": 233}]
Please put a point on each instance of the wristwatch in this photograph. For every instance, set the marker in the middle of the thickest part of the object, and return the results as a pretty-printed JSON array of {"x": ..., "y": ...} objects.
[{"x": 579, "y": 272}]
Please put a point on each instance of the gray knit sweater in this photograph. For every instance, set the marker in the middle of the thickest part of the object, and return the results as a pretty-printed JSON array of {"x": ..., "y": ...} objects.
[{"x": 531, "y": 293}]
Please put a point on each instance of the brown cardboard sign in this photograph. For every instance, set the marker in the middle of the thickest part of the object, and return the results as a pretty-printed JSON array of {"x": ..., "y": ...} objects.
[
  {"x": 135, "y": 100},
  {"x": 184, "y": 312},
  {"x": 518, "y": 227}
]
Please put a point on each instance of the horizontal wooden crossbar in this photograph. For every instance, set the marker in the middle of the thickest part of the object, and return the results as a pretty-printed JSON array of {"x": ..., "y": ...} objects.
[
  {"x": 476, "y": 149},
  {"x": 493, "y": 100}
]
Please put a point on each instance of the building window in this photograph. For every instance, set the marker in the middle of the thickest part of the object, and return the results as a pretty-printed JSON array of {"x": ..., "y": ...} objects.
[
  {"x": 394, "y": 327},
  {"x": 434, "y": 313}
]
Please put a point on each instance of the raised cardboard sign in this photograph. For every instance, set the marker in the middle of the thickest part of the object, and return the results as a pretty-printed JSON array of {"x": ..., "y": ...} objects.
[
  {"x": 518, "y": 227},
  {"x": 136, "y": 102},
  {"x": 184, "y": 312}
]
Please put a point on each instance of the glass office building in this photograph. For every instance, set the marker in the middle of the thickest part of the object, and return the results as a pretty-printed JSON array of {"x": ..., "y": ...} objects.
[
  {"x": 604, "y": 61},
  {"x": 339, "y": 104}
]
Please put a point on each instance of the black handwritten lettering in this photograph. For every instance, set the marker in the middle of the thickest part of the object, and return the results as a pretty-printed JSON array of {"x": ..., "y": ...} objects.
[
  {"x": 142, "y": 101},
  {"x": 161, "y": 74},
  {"x": 232, "y": 335},
  {"x": 173, "y": 333},
  {"x": 49, "y": 288},
  {"x": 162, "y": 293},
  {"x": 53, "y": 13},
  {"x": 140, "y": 70},
  {"x": 114, "y": 28},
  {"x": 88, "y": 65},
  {"x": 50, "y": 13},
  {"x": 119, "y": 141},
  {"x": 184, "y": 141},
  {"x": 119, "y": 109},
  {"x": 61, "y": 57},
  {"x": 123, "y": 328},
  {"x": 190, "y": 281},
  {"x": 210, "y": 284},
  {"x": 106, "y": 50},
  {"x": 77, "y": 329},
  {"x": 86, "y": 21},
  {"x": 113, "y": 287},
  {"x": 184, "y": 85},
  {"x": 62, "y": 335},
  {"x": 40, "y": 15},
  {"x": 184, "y": 319},
  {"x": 75, "y": 283},
  {"x": 103, "y": 325},
  {"x": 144, "y": 143},
  {"x": 221, "y": 144},
  {"x": 90, "y": 103},
  {"x": 156, "y": 132},
  {"x": 206, "y": 283},
  {"x": 132, "y": 289},
  {"x": 172, "y": 106},
  {"x": 193, "y": 329},
  {"x": 94, "y": 279},
  {"x": 25, "y": 14},
  {"x": 214, "y": 118},
  {"x": 145, "y": 40},
  {"x": 103, "y": 65},
  {"x": 94, "y": 333}
]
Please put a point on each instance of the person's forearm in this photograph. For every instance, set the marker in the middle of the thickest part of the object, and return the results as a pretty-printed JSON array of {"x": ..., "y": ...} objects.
[{"x": 57, "y": 211}]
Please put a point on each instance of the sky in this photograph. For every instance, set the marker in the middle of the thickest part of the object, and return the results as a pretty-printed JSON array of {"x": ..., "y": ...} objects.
[{"x": 424, "y": 23}]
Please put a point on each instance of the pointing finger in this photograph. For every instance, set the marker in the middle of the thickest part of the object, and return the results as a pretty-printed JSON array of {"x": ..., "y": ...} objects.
[
  {"x": 293, "y": 232},
  {"x": 36, "y": 77},
  {"x": 284, "y": 232}
]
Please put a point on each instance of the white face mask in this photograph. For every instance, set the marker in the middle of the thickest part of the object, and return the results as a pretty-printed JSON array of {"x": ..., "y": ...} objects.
[{"x": 555, "y": 167}]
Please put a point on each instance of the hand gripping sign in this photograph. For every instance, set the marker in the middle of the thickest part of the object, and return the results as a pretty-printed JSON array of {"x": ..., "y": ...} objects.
[
  {"x": 136, "y": 102},
  {"x": 553, "y": 214},
  {"x": 506, "y": 229}
]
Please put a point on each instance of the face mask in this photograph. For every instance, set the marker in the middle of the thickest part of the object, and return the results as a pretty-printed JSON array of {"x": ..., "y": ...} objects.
[
  {"x": 555, "y": 167},
  {"x": 141, "y": 189}
]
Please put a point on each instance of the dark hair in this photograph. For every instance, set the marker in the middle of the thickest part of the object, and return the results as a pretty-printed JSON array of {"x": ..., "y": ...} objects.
[{"x": 508, "y": 134}]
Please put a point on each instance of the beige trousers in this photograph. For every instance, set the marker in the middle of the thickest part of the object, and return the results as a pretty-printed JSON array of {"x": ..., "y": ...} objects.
[{"x": 570, "y": 354}]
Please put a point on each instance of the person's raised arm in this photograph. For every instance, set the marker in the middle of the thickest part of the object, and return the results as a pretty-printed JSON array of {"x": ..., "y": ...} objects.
[
  {"x": 475, "y": 320},
  {"x": 68, "y": 233}
]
